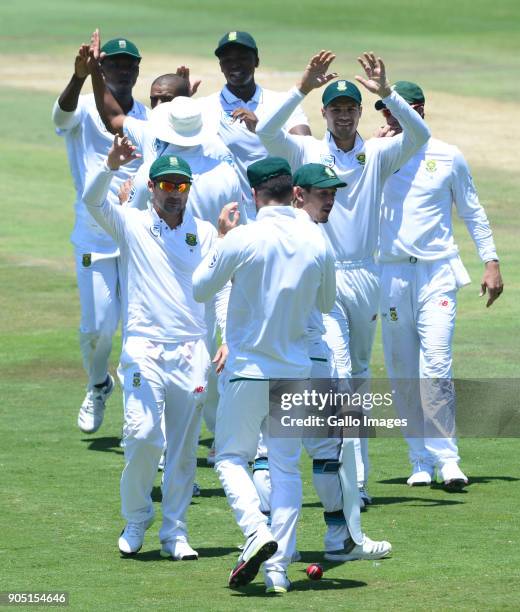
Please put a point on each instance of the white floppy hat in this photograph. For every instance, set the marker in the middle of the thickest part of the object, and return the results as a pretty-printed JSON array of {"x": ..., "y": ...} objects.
[{"x": 179, "y": 122}]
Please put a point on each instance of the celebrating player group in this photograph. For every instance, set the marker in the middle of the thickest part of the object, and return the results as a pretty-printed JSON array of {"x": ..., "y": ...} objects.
[{"x": 237, "y": 249}]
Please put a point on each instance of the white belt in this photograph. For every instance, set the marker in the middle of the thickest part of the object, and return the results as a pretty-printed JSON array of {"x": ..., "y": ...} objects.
[{"x": 354, "y": 263}]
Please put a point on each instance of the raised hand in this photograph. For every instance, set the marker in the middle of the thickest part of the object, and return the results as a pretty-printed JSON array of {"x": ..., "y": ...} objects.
[
  {"x": 184, "y": 73},
  {"x": 315, "y": 75},
  {"x": 247, "y": 117},
  {"x": 121, "y": 152},
  {"x": 228, "y": 219},
  {"x": 95, "y": 46},
  {"x": 375, "y": 71},
  {"x": 81, "y": 68}
]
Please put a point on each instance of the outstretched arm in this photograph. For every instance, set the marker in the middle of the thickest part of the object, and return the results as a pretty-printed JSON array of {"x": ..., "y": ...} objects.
[
  {"x": 107, "y": 106},
  {"x": 63, "y": 113}
]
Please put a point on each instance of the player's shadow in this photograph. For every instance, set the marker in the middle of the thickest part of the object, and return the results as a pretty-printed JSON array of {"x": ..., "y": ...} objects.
[
  {"x": 415, "y": 501},
  {"x": 215, "y": 492},
  {"x": 203, "y": 463},
  {"x": 108, "y": 444},
  {"x": 325, "y": 584},
  {"x": 207, "y": 442},
  {"x": 204, "y": 553}
]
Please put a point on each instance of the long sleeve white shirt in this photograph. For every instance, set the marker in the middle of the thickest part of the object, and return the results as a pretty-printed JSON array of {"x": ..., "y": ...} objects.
[
  {"x": 158, "y": 264},
  {"x": 353, "y": 227},
  {"x": 88, "y": 142},
  {"x": 280, "y": 269},
  {"x": 416, "y": 215}
]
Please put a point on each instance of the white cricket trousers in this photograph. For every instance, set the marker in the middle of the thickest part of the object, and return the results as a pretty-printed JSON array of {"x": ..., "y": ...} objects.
[
  {"x": 418, "y": 307},
  {"x": 350, "y": 330},
  {"x": 161, "y": 378},
  {"x": 241, "y": 414},
  {"x": 98, "y": 284}
]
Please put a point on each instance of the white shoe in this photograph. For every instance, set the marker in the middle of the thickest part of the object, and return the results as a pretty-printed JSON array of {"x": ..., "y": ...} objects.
[
  {"x": 132, "y": 537},
  {"x": 452, "y": 476},
  {"x": 196, "y": 490},
  {"x": 179, "y": 550},
  {"x": 259, "y": 547},
  {"x": 296, "y": 557},
  {"x": 92, "y": 409},
  {"x": 210, "y": 459},
  {"x": 276, "y": 582},
  {"x": 422, "y": 475},
  {"x": 365, "y": 499},
  {"x": 353, "y": 552},
  {"x": 162, "y": 462}
]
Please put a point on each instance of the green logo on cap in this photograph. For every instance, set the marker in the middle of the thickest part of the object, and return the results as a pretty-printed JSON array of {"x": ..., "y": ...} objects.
[
  {"x": 431, "y": 165},
  {"x": 342, "y": 86},
  {"x": 191, "y": 239},
  {"x": 329, "y": 172},
  {"x": 232, "y": 36},
  {"x": 122, "y": 44}
]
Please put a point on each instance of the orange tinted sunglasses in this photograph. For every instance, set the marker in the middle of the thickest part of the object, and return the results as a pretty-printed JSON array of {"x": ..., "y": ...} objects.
[{"x": 171, "y": 187}]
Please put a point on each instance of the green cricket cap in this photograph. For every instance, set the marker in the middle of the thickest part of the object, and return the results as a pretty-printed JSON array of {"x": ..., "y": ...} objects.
[
  {"x": 411, "y": 92},
  {"x": 169, "y": 164},
  {"x": 236, "y": 38},
  {"x": 261, "y": 171},
  {"x": 340, "y": 89},
  {"x": 120, "y": 46},
  {"x": 318, "y": 176}
]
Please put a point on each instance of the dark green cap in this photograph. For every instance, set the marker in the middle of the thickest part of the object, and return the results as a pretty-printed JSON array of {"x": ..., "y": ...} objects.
[
  {"x": 411, "y": 92},
  {"x": 261, "y": 171},
  {"x": 236, "y": 38},
  {"x": 169, "y": 164},
  {"x": 318, "y": 176},
  {"x": 120, "y": 46},
  {"x": 340, "y": 89}
]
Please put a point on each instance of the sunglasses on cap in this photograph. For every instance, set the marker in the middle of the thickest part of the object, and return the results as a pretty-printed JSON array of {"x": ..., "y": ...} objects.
[{"x": 171, "y": 187}]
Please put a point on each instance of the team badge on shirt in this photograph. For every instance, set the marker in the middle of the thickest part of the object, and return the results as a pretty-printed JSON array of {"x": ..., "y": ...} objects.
[
  {"x": 431, "y": 165},
  {"x": 327, "y": 160},
  {"x": 155, "y": 230},
  {"x": 191, "y": 239},
  {"x": 393, "y": 314},
  {"x": 136, "y": 379},
  {"x": 361, "y": 157},
  {"x": 86, "y": 260}
]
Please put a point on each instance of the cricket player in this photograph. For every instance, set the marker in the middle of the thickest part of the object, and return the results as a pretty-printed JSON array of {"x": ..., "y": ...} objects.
[
  {"x": 315, "y": 187},
  {"x": 97, "y": 255},
  {"x": 240, "y": 102},
  {"x": 353, "y": 227},
  {"x": 421, "y": 274},
  {"x": 278, "y": 265},
  {"x": 164, "y": 361}
]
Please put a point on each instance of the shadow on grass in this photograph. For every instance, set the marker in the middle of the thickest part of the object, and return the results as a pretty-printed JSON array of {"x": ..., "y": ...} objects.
[
  {"x": 472, "y": 480},
  {"x": 109, "y": 444},
  {"x": 204, "y": 553},
  {"x": 416, "y": 501},
  {"x": 207, "y": 442},
  {"x": 325, "y": 584},
  {"x": 216, "y": 492},
  {"x": 202, "y": 463}
]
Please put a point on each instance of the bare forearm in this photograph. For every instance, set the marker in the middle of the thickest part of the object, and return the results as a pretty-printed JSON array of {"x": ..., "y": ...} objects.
[
  {"x": 68, "y": 101},
  {"x": 107, "y": 106}
]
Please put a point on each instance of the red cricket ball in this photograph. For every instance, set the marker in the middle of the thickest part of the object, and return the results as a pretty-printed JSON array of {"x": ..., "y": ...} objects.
[{"x": 314, "y": 571}]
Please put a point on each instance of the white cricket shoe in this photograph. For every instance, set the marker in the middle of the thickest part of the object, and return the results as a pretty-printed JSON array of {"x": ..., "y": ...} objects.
[
  {"x": 92, "y": 409},
  {"x": 210, "y": 459},
  {"x": 179, "y": 550},
  {"x": 370, "y": 549},
  {"x": 162, "y": 462},
  {"x": 276, "y": 582},
  {"x": 259, "y": 547},
  {"x": 452, "y": 476},
  {"x": 132, "y": 537},
  {"x": 422, "y": 475}
]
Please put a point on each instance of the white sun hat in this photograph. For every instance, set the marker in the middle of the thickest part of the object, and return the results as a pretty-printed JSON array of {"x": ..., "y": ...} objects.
[{"x": 179, "y": 122}]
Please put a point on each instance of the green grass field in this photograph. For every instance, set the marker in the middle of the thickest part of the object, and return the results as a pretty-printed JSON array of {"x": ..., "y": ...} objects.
[{"x": 59, "y": 488}]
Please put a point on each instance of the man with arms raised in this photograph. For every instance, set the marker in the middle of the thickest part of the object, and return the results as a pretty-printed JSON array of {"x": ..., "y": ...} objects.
[
  {"x": 76, "y": 118},
  {"x": 353, "y": 227}
]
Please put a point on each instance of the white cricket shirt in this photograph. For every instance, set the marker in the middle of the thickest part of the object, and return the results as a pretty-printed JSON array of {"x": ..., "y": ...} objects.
[
  {"x": 353, "y": 227},
  {"x": 280, "y": 269},
  {"x": 215, "y": 180},
  {"x": 158, "y": 263},
  {"x": 417, "y": 205},
  {"x": 88, "y": 142},
  {"x": 245, "y": 146}
]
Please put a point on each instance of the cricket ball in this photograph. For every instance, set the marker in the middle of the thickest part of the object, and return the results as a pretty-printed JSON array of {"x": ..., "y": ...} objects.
[{"x": 314, "y": 571}]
